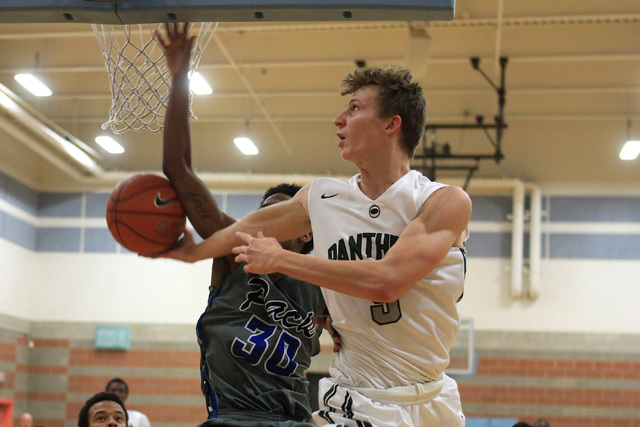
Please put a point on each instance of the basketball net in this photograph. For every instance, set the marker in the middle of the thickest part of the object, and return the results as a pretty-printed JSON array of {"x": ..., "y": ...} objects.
[{"x": 138, "y": 74}]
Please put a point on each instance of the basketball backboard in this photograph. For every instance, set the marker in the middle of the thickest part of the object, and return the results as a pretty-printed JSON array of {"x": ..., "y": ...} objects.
[{"x": 156, "y": 11}]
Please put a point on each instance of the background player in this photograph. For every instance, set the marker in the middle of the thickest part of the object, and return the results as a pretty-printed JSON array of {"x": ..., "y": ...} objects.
[
  {"x": 103, "y": 410},
  {"x": 121, "y": 388},
  {"x": 25, "y": 420},
  {"x": 257, "y": 334}
]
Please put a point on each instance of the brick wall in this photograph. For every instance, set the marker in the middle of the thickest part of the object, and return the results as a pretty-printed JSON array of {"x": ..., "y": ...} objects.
[
  {"x": 572, "y": 380},
  {"x": 53, "y": 378}
]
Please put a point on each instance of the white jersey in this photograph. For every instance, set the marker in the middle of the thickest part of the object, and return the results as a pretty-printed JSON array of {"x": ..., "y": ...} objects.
[
  {"x": 392, "y": 344},
  {"x": 137, "y": 419}
]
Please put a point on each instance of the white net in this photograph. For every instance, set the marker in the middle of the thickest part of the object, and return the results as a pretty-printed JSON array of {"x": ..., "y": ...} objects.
[{"x": 138, "y": 74}]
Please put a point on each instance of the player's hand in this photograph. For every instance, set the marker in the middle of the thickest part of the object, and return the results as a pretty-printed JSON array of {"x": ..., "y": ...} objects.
[
  {"x": 259, "y": 253},
  {"x": 325, "y": 322},
  {"x": 178, "y": 48},
  {"x": 179, "y": 251}
]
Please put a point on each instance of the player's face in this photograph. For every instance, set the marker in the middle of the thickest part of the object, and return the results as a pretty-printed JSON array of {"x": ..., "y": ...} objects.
[
  {"x": 26, "y": 420},
  {"x": 359, "y": 127},
  {"x": 119, "y": 389},
  {"x": 107, "y": 414}
]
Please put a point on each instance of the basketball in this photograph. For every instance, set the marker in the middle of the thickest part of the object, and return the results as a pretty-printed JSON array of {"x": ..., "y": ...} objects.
[{"x": 144, "y": 214}]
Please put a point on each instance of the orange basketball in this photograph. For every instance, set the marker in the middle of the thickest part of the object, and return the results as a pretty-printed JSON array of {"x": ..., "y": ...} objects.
[{"x": 144, "y": 214}]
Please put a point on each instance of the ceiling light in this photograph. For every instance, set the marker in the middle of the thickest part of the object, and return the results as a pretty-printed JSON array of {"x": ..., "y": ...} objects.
[
  {"x": 630, "y": 151},
  {"x": 109, "y": 144},
  {"x": 73, "y": 150},
  {"x": 246, "y": 146},
  {"x": 7, "y": 102},
  {"x": 33, "y": 85},
  {"x": 199, "y": 85}
]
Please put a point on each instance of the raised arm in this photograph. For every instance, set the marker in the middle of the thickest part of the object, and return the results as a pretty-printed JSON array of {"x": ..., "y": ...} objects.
[
  {"x": 419, "y": 249},
  {"x": 285, "y": 220},
  {"x": 199, "y": 204}
]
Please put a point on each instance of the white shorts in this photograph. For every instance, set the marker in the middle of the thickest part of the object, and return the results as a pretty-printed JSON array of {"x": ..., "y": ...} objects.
[{"x": 344, "y": 406}]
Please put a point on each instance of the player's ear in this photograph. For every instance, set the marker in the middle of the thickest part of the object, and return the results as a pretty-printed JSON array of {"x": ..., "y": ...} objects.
[
  {"x": 306, "y": 237},
  {"x": 393, "y": 124}
]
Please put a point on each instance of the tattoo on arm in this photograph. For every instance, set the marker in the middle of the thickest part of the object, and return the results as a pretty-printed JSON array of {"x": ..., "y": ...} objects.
[{"x": 198, "y": 203}]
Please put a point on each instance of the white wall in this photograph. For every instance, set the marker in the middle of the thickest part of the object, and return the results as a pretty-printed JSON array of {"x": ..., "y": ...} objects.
[
  {"x": 575, "y": 296},
  {"x": 17, "y": 266},
  {"x": 117, "y": 288}
]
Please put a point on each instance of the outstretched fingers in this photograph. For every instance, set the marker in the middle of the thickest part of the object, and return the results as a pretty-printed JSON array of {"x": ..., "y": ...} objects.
[
  {"x": 174, "y": 33},
  {"x": 171, "y": 29}
]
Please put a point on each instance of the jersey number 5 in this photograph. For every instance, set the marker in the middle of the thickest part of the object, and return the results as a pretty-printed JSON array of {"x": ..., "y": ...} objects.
[{"x": 384, "y": 313}]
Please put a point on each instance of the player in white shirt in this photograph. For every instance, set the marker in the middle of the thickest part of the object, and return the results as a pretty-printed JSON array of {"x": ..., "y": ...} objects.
[
  {"x": 138, "y": 419},
  {"x": 120, "y": 387},
  {"x": 389, "y": 255},
  {"x": 386, "y": 346}
]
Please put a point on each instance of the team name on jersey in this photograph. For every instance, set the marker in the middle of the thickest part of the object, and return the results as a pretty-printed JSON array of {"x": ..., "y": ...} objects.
[
  {"x": 278, "y": 310},
  {"x": 361, "y": 246}
]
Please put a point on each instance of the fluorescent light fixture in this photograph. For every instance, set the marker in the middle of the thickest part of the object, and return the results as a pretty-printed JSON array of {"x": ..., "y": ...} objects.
[
  {"x": 33, "y": 85},
  {"x": 109, "y": 144},
  {"x": 199, "y": 85},
  {"x": 7, "y": 102},
  {"x": 630, "y": 151},
  {"x": 73, "y": 150},
  {"x": 246, "y": 146}
]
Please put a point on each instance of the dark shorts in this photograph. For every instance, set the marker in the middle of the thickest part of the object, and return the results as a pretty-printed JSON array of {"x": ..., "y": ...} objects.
[{"x": 253, "y": 419}]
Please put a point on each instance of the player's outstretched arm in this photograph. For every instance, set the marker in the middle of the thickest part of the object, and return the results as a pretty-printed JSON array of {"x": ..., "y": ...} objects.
[
  {"x": 419, "y": 249},
  {"x": 199, "y": 204},
  {"x": 285, "y": 220}
]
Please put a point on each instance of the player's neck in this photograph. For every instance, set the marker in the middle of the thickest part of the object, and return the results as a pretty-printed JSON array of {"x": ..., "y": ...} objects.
[{"x": 374, "y": 182}]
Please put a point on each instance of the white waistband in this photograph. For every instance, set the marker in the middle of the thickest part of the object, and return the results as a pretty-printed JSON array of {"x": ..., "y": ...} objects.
[{"x": 404, "y": 395}]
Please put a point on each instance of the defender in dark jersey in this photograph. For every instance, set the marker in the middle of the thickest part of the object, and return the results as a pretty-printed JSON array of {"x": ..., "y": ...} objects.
[{"x": 257, "y": 333}]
